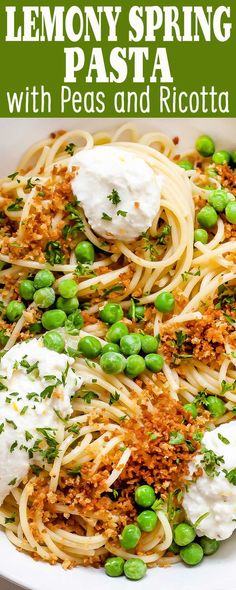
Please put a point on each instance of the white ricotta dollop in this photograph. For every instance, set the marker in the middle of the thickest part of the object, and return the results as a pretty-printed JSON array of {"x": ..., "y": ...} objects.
[
  {"x": 215, "y": 495},
  {"x": 26, "y": 370},
  {"x": 105, "y": 169}
]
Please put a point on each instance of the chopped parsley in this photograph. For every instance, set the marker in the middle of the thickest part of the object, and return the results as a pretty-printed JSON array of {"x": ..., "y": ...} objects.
[
  {"x": 3, "y": 338},
  {"x": 114, "y": 197},
  {"x": 229, "y": 319},
  {"x": 74, "y": 216},
  {"x": 152, "y": 435},
  {"x": 2, "y": 426},
  {"x": 122, "y": 213},
  {"x": 74, "y": 323},
  {"x": 64, "y": 420},
  {"x": 34, "y": 396},
  {"x": 17, "y": 205},
  {"x": 231, "y": 475},
  {"x": 75, "y": 471},
  {"x": 29, "y": 368},
  {"x": 180, "y": 338},
  {"x": 11, "y": 423},
  {"x": 158, "y": 505},
  {"x": 114, "y": 397},
  {"x": 149, "y": 246},
  {"x": 24, "y": 410},
  {"x": 13, "y": 446},
  {"x": 225, "y": 386},
  {"x": 198, "y": 436},
  {"x": 201, "y": 398},
  {"x": 53, "y": 252},
  {"x": 70, "y": 148},
  {"x": 36, "y": 469},
  {"x": 84, "y": 270},
  {"x": 181, "y": 357},
  {"x": 74, "y": 428},
  {"x": 13, "y": 176},
  {"x": 13, "y": 482},
  {"x": 47, "y": 392},
  {"x": 51, "y": 451},
  {"x": 10, "y": 519},
  {"x": 3, "y": 387},
  {"x": 64, "y": 374},
  {"x": 28, "y": 436},
  {"x": 185, "y": 275},
  {"x": 89, "y": 395},
  {"x": 106, "y": 217},
  {"x": 224, "y": 440},
  {"x": 114, "y": 289},
  {"x": 176, "y": 438},
  {"x": 211, "y": 461},
  {"x": 31, "y": 184},
  {"x": 166, "y": 231}
]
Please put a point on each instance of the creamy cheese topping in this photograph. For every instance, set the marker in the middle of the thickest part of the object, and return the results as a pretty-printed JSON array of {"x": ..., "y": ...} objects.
[
  {"x": 215, "y": 495},
  {"x": 36, "y": 387},
  {"x": 118, "y": 191}
]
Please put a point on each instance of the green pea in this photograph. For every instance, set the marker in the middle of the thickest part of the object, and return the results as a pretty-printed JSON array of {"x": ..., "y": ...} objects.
[
  {"x": 149, "y": 344},
  {"x": 221, "y": 157},
  {"x": 135, "y": 365},
  {"x": 209, "y": 546},
  {"x": 205, "y": 146},
  {"x": 14, "y": 310},
  {"x": 114, "y": 566},
  {"x": 192, "y": 554},
  {"x": 174, "y": 548},
  {"x": 145, "y": 496},
  {"x": 90, "y": 347},
  {"x": 201, "y": 235},
  {"x": 233, "y": 157},
  {"x": 110, "y": 347},
  {"x": 229, "y": 198},
  {"x": 116, "y": 332},
  {"x": 185, "y": 164},
  {"x": 74, "y": 323},
  {"x": 184, "y": 534},
  {"x": 218, "y": 200},
  {"x": 130, "y": 344},
  {"x": 135, "y": 568},
  {"x": 67, "y": 305},
  {"x": 207, "y": 216},
  {"x": 54, "y": 341},
  {"x": 215, "y": 406},
  {"x": 44, "y": 297},
  {"x": 192, "y": 409},
  {"x": 111, "y": 313},
  {"x": 154, "y": 362},
  {"x": 67, "y": 288},
  {"x": 35, "y": 328},
  {"x": 165, "y": 302},
  {"x": 230, "y": 212},
  {"x": 26, "y": 290},
  {"x": 130, "y": 536},
  {"x": 43, "y": 278},
  {"x": 112, "y": 363},
  {"x": 147, "y": 521},
  {"x": 54, "y": 318},
  {"x": 84, "y": 252},
  {"x": 136, "y": 312}
]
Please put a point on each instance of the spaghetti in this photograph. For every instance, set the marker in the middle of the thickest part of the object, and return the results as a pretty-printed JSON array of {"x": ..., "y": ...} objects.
[{"x": 73, "y": 507}]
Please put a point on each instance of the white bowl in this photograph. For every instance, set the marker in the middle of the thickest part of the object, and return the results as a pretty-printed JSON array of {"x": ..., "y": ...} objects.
[{"x": 216, "y": 572}]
